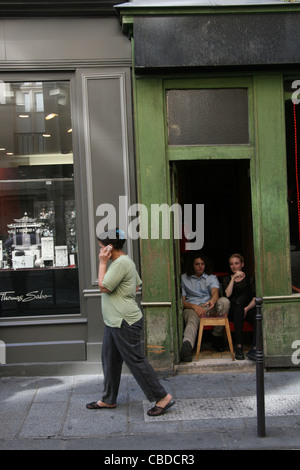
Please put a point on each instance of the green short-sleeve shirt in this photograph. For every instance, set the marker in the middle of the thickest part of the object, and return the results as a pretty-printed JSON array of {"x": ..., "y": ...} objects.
[{"x": 121, "y": 279}]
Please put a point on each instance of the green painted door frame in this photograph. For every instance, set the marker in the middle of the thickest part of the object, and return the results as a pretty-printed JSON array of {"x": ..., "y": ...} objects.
[
  {"x": 157, "y": 262},
  {"x": 267, "y": 156}
]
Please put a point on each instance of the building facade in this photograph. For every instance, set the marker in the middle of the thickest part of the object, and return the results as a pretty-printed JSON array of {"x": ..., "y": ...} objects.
[
  {"x": 66, "y": 153},
  {"x": 194, "y": 103},
  {"x": 216, "y": 89}
]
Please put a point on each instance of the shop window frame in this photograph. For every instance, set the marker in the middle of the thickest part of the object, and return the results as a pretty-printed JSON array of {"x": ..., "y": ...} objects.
[{"x": 53, "y": 76}]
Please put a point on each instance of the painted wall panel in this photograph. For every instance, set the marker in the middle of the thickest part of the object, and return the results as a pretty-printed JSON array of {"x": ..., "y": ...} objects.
[
  {"x": 63, "y": 38},
  {"x": 2, "y": 46}
]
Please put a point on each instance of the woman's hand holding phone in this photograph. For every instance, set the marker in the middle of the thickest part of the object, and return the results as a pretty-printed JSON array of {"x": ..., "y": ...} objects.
[{"x": 105, "y": 253}]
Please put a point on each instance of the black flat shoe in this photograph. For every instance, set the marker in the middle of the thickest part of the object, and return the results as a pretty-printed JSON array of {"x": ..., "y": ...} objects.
[
  {"x": 94, "y": 406},
  {"x": 239, "y": 355},
  {"x": 251, "y": 354},
  {"x": 186, "y": 353},
  {"x": 158, "y": 410}
]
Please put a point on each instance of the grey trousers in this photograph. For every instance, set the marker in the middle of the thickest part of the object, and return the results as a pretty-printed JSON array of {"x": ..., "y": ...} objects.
[
  {"x": 124, "y": 345},
  {"x": 192, "y": 320}
]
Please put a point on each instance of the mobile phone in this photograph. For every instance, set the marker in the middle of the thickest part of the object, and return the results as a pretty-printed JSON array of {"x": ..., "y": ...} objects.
[{"x": 109, "y": 248}]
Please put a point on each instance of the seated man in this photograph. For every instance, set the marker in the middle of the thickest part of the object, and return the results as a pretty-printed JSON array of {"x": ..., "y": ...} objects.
[{"x": 200, "y": 291}]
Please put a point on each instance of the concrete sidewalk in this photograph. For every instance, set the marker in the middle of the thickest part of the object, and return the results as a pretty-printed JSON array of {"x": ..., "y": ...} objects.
[{"x": 212, "y": 411}]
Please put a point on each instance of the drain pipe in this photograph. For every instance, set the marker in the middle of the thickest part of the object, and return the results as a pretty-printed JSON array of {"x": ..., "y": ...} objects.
[{"x": 260, "y": 389}]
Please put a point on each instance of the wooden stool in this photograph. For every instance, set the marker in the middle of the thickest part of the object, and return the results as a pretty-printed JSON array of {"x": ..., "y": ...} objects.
[{"x": 214, "y": 321}]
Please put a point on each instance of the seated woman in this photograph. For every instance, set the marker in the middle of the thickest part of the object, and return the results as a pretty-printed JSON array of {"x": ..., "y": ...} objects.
[{"x": 239, "y": 288}]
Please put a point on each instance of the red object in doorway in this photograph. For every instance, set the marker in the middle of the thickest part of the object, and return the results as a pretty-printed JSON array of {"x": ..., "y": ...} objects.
[{"x": 296, "y": 167}]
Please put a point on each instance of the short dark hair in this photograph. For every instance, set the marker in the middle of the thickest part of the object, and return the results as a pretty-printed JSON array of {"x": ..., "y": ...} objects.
[
  {"x": 194, "y": 255},
  {"x": 114, "y": 237}
]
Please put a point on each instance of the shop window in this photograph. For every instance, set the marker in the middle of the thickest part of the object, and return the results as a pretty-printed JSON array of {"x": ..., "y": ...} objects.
[
  {"x": 38, "y": 245},
  {"x": 292, "y": 120},
  {"x": 208, "y": 116}
]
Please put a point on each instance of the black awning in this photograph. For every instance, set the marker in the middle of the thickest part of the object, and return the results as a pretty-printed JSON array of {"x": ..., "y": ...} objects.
[{"x": 210, "y": 40}]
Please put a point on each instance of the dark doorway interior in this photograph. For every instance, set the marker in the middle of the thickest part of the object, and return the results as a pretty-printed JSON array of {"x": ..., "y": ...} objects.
[{"x": 223, "y": 186}]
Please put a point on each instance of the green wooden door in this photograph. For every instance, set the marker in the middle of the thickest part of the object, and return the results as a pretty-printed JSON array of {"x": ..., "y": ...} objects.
[{"x": 166, "y": 133}]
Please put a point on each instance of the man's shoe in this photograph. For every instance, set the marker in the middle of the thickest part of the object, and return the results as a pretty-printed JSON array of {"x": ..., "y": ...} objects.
[
  {"x": 217, "y": 343},
  {"x": 239, "y": 354},
  {"x": 251, "y": 354},
  {"x": 186, "y": 352}
]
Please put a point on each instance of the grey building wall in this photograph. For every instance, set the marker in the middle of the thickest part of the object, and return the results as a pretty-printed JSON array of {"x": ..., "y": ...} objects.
[
  {"x": 74, "y": 41},
  {"x": 96, "y": 57}
]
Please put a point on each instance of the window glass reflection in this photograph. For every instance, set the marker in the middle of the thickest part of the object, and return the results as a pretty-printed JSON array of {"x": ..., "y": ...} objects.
[
  {"x": 217, "y": 116},
  {"x": 38, "y": 243}
]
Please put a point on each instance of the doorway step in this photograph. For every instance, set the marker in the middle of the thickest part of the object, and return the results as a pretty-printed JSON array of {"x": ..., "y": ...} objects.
[{"x": 211, "y": 361}]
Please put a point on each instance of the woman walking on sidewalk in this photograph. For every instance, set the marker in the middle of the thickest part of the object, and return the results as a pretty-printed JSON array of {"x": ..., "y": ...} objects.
[{"x": 123, "y": 327}]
